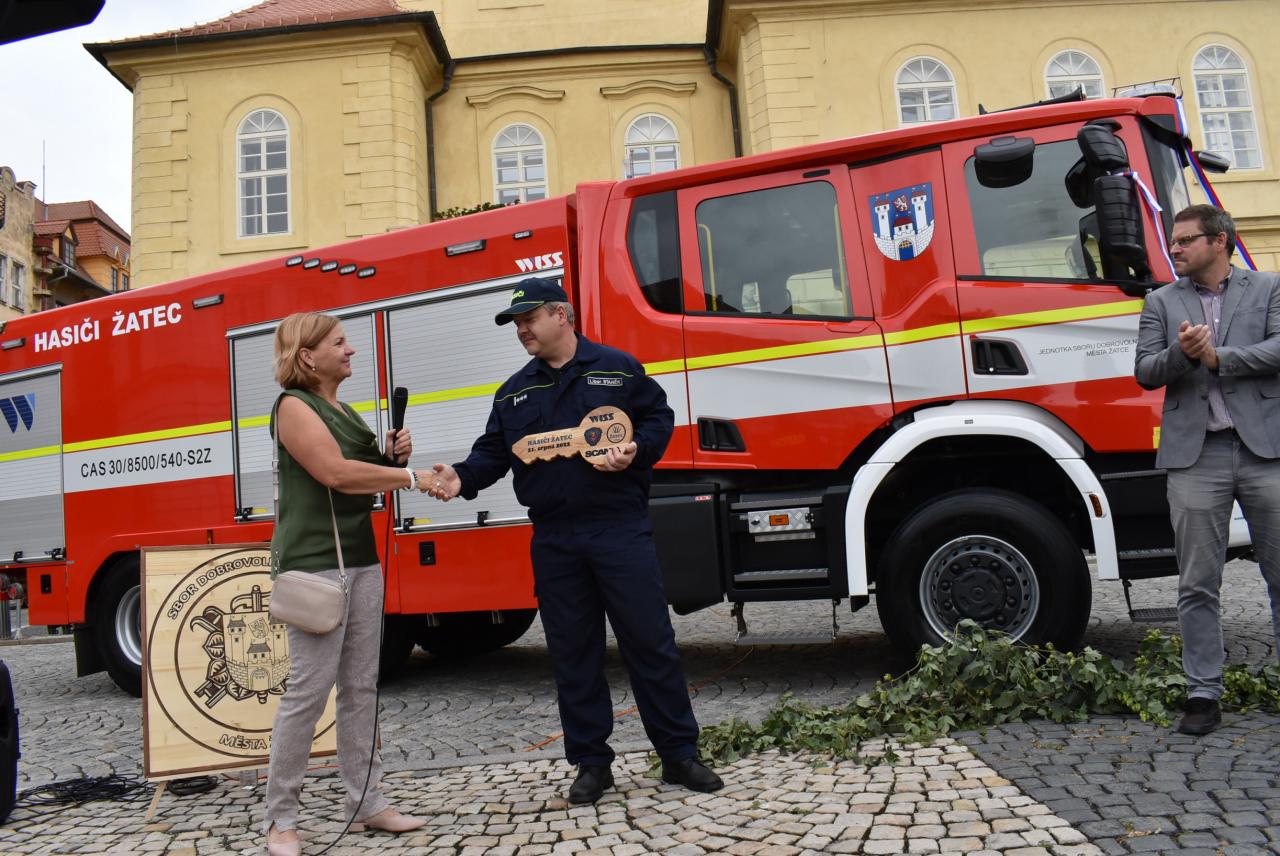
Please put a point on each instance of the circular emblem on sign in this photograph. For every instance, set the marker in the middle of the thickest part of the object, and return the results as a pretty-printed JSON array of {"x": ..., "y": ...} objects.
[
  {"x": 592, "y": 436},
  {"x": 616, "y": 433},
  {"x": 216, "y": 656}
]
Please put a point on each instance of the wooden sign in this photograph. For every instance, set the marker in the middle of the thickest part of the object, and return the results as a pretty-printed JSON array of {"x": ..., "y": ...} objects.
[
  {"x": 599, "y": 431},
  {"x": 214, "y": 663}
]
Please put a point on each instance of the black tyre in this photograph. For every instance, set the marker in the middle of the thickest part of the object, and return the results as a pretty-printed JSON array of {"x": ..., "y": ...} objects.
[
  {"x": 992, "y": 556},
  {"x": 466, "y": 634},
  {"x": 117, "y": 624},
  {"x": 397, "y": 645}
]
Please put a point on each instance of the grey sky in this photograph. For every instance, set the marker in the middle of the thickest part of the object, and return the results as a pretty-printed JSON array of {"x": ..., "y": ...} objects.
[{"x": 56, "y": 92}]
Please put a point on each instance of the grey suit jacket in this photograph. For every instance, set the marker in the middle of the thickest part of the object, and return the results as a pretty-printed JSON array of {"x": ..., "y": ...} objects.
[{"x": 1248, "y": 365}]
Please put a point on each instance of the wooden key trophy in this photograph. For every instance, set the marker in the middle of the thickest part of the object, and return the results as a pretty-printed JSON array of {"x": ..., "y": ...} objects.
[{"x": 599, "y": 431}]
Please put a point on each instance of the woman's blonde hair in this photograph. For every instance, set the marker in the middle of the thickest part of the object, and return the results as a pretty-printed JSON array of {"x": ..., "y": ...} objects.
[{"x": 300, "y": 330}]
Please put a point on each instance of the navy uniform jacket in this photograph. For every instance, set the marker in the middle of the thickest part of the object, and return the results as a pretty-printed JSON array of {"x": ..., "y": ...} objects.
[{"x": 538, "y": 398}]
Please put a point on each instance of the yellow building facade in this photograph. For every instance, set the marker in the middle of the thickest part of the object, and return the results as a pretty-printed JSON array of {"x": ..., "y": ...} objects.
[{"x": 261, "y": 135}]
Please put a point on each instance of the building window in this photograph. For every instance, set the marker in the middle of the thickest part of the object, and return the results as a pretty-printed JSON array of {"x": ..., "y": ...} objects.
[
  {"x": 115, "y": 280},
  {"x": 652, "y": 146},
  {"x": 1072, "y": 70},
  {"x": 1226, "y": 108},
  {"x": 4, "y": 280},
  {"x": 19, "y": 287},
  {"x": 519, "y": 165},
  {"x": 68, "y": 248},
  {"x": 926, "y": 92},
  {"x": 262, "y": 174},
  {"x": 124, "y": 282}
]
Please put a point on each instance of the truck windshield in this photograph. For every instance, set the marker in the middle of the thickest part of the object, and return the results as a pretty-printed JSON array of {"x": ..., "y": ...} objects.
[{"x": 1168, "y": 179}]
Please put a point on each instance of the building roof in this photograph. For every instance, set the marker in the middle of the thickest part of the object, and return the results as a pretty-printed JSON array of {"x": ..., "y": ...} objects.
[
  {"x": 96, "y": 233},
  {"x": 273, "y": 14},
  {"x": 50, "y": 227}
]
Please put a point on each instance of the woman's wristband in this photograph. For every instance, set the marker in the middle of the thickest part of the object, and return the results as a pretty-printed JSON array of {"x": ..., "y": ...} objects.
[{"x": 413, "y": 479}]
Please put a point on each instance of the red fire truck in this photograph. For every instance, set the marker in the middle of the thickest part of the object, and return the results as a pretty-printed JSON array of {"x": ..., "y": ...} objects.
[{"x": 901, "y": 364}]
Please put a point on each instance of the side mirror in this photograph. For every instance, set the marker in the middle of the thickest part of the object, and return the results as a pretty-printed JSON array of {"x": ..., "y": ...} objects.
[
  {"x": 1101, "y": 147},
  {"x": 1212, "y": 162},
  {"x": 1120, "y": 240},
  {"x": 1004, "y": 162}
]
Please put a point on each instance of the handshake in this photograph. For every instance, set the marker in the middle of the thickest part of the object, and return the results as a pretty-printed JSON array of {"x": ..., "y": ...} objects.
[{"x": 441, "y": 481}]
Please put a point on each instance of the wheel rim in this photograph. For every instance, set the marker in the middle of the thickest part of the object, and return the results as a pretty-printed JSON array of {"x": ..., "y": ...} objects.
[
  {"x": 981, "y": 578},
  {"x": 128, "y": 627}
]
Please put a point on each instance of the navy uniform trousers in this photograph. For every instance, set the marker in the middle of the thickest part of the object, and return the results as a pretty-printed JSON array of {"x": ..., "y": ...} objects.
[{"x": 583, "y": 572}]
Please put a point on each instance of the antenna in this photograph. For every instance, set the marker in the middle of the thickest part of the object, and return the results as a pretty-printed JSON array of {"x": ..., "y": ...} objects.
[{"x": 44, "y": 191}]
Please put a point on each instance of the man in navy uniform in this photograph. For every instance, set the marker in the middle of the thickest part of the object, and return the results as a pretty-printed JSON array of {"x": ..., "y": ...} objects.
[{"x": 592, "y": 550}]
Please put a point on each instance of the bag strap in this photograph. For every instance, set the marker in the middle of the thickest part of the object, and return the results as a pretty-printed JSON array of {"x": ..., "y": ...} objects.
[{"x": 342, "y": 569}]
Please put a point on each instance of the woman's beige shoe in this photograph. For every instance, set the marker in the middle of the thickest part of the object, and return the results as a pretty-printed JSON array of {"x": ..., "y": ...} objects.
[
  {"x": 283, "y": 846},
  {"x": 389, "y": 820}
]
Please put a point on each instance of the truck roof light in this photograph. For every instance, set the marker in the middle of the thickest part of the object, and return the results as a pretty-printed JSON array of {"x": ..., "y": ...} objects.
[
  {"x": 13, "y": 343},
  {"x": 310, "y": 263},
  {"x": 207, "y": 300},
  {"x": 293, "y": 261},
  {"x": 365, "y": 273},
  {"x": 328, "y": 266},
  {"x": 346, "y": 269},
  {"x": 524, "y": 233},
  {"x": 466, "y": 247}
]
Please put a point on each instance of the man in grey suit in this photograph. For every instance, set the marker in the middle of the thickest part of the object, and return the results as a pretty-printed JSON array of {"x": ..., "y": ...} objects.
[{"x": 1212, "y": 340}]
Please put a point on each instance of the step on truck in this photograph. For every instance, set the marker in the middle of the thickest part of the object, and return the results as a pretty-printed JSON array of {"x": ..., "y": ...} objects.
[{"x": 901, "y": 367}]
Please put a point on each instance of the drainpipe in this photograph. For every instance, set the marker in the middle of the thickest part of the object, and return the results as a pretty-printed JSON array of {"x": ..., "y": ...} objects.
[
  {"x": 709, "y": 54},
  {"x": 431, "y": 137}
]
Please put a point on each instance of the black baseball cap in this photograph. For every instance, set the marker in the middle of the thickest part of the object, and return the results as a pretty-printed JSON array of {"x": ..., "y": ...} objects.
[{"x": 530, "y": 294}]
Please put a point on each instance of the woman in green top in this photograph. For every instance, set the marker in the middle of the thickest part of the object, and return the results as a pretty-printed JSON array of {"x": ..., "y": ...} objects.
[{"x": 327, "y": 453}]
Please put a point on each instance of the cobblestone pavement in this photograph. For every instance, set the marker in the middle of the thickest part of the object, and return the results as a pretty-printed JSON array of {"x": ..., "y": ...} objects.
[{"x": 473, "y": 745}]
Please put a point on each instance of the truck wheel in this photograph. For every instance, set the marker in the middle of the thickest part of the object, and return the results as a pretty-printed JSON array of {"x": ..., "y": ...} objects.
[
  {"x": 465, "y": 634},
  {"x": 397, "y": 645},
  {"x": 117, "y": 624},
  {"x": 992, "y": 556}
]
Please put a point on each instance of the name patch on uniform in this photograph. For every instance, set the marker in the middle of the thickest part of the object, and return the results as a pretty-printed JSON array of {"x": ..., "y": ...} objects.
[{"x": 604, "y": 381}]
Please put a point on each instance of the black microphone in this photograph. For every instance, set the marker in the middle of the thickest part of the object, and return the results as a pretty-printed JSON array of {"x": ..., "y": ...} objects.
[{"x": 399, "y": 401}]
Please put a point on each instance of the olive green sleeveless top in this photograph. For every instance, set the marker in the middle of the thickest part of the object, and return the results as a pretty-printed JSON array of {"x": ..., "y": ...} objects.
[{"x": 303, "y": 538}]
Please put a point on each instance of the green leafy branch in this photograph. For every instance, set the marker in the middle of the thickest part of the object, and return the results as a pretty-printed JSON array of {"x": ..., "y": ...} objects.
[{"x": 983, "y": 678}]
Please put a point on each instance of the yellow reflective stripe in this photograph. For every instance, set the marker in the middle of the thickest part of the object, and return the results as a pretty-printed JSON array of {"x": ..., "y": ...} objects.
[
  {"x": 166, "y": 434},
  {"x": 23, "y": 455},
  {"x": 800, "y": 349},
  {"x": 1054, "y": 316},
  {"x": 920, "y": 334},
  {"x": 664, "y": 367},
  {"x": 481, "y": 391}
]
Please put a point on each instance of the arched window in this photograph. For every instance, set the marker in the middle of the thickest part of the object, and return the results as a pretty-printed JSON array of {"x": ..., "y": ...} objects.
[
  {"x": 652, "y": 146},
  {"x": 262, "y": 174},
  {"x": 519, "y": 165},
  {"x": 1072, "y": 70},
  {"x": 1226, "y": 107},
  {"x": 926, "y": 91}
]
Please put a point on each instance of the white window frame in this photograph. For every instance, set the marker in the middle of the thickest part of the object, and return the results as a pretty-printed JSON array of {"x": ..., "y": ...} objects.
[
  {"x": 922, "y": 82},
  {"x": 521, "y": 140},
  {"x": 1078, "y": 70},
  {"x": 644, "y": 136},
  {"x": 19, "y": 287},
  {"x": 253, "y": 129},
  {"x": 1215, "y": 71}
]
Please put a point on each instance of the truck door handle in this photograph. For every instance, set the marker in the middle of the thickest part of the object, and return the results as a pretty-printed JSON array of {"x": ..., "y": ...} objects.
[
  {"x": 719, "y": 435},
  {"x": 996, "y": 357}
]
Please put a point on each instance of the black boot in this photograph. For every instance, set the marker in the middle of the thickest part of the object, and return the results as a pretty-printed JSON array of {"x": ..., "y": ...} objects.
[
  {"x": 691, "y": 773},
  {"x": 590, "y": 784}
]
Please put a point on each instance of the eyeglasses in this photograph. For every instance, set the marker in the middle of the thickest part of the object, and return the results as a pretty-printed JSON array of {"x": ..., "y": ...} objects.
[{"x": 1187, "y": 240}]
